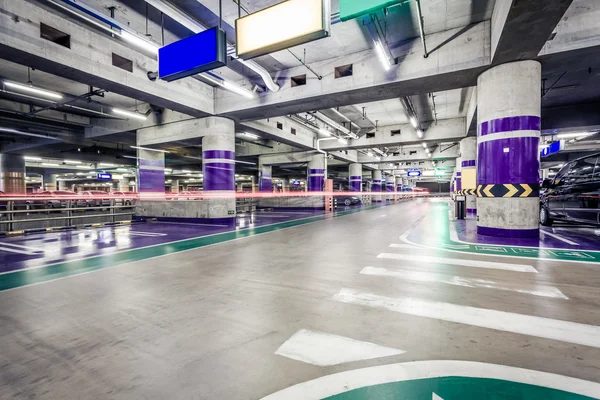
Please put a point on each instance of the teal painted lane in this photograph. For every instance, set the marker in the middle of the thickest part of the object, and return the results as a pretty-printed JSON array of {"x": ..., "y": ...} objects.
[
  {"x": 435, "y": 230},
  {"x": 41, "y": 274}
]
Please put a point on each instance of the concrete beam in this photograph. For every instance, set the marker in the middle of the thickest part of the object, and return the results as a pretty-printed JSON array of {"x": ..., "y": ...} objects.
[
  {"x": 521, "y": 28},
  {"x": 440, "y": 153},
  {"x": 102, "y": 127},
  {"x": 304, "y": 138},
  {"x": 248, "y": 149},
  {"x": 444, "y": 130},
  {"x": 191, "y": 130},
  {"x": 289, "y": 158},
  {"x": 471, "y": 121},
  {"x": 49, "y": 115},
  {"x": 571, "y": 116},
  {"x": 457, "y": 57},
  {"x": 89, "y": 60}
]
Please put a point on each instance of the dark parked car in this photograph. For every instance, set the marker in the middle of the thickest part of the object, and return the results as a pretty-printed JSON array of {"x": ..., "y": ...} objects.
[
  {"x": 347, "y": 200},
  {"x": 574, "y": 193}
]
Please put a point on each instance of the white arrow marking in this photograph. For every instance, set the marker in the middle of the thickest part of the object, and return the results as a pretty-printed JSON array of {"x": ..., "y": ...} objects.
[
  {"x": 458, "y": 261},
  {"x": 325, "y": 349}
]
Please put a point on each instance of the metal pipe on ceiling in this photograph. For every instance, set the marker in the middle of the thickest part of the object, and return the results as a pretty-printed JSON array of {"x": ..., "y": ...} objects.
[{"x": 421, "y": 28}]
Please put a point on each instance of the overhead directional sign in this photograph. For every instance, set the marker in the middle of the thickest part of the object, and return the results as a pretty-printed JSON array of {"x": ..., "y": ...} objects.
[
  {"x": 413, "y": 172},
  {"x": 104, "y": 177},
  {"x": 555, "y": 147},
  {"x": 199, "y": 53},
  {"x": 283, "y": 25}
]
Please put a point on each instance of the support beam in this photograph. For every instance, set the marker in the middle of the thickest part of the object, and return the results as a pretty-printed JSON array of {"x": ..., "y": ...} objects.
[
  {"x": 304, "y": 138},
  {"x": 440, "y": 153},
  {"x": 191, "y": 130},
  {"x": 89, "y": 59},
  {"x": 521, "y": 28},
  {"x": 456, "y": 59},
  {"x": 444, "y": 130}
]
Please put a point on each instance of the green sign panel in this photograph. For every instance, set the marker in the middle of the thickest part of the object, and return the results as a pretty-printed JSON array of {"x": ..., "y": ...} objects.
[{"x": 350, "y": 9}]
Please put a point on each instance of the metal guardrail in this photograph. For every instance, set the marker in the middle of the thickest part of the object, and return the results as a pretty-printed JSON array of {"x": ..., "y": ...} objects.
[{"x": 66, "y": 213}]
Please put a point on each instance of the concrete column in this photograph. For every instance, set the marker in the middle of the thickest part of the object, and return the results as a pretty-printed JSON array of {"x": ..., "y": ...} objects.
[
  {"x": 265, "y": 177},
  {"x": 468, "y": 155},
  {"x": 398, "y": 184},
  {"x": 49, "y": 181},
  {"x": 355, "y": 177},
  {"x": 63, "y": 185},
  {"x": 12, "y": 174},
  {"x": 508, "y": 136},
  {"x": 458, "y": 175},
  {"x": 390, "y": 186},
  {"x": 376, "y": 185},
  {"x": 218, "y": 167},
  {"x": 123, "y": 185},
  {"x": 174, "y": 185},
  {"x": 285, "y": 185},
  {"x": 317, "y": 169},
  {"x": 151, "y": 173}
]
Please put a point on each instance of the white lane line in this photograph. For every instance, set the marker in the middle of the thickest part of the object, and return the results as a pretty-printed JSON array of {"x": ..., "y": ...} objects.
[
  {"x": 427, "y": 277},
  {"x": 19, "y": 246},
  {"x": 404, "y": 246},
  {"x": 137, "y": 233},
  {"x": 565, "y": 331},
  {"x": 341, "y": 382},
  {"x": 325, "y": 349},
  {"x": 555, "y": 236},
  {"x": 458, "y": 261},
  {"x": 19, "y": 251}
]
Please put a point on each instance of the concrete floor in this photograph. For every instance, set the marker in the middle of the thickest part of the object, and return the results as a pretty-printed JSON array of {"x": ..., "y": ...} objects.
[{"x": 206, "y": 323}]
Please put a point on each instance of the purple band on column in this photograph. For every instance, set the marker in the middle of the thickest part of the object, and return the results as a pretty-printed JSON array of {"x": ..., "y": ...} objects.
[
  {"x": 510, "y": 233},
  {"x": 459, "y": 174},
  {"x": 508, "y": 124},
  {"x": 225, "y": 154},
  {"x": 399, "y": 188},
  {"x": 389, "y": 187},
  {"x": 468, "y": 163},
  {"x": 151, "y": 180},
  {"x": 355, "y": 183},
  {"x": 218, "y": 176},
  {"x": 508, "y": 161},
  {"x": 265, "y": 184},
  {"x": 458, "y": 182},
  {"x": 376, "y": 187},
  {"x": 315, "y": 183},
  {"x": 316, "y": 171}
]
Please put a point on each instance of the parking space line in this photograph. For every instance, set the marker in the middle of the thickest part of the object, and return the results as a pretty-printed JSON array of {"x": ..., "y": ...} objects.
[
  {"x": 19, "y": 251},
  {"x": 428, "y": 277},
  {"x": 458, "y": 261},
  {"x": 555, "y": 236},
  {"x": 564, "y": 331}
]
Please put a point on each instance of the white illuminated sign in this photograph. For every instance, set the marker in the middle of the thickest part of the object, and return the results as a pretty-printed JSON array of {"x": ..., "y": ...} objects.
[{"x": 283, "y": 25}]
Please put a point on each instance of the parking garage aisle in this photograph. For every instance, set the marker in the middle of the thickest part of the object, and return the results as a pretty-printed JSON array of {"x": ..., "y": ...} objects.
[{"x": 245, "y": 319}]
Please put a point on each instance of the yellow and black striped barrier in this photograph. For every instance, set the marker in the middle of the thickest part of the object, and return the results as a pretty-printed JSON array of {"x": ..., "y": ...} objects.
[
  {"x": 509, "y": 190},
  {"x": 464, "y": 192}
]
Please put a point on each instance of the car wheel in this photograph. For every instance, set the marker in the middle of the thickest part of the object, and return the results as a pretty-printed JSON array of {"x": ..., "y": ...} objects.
[
  {"x": 545, "y": 216},
  {"x": 347, "y": 202},
  {"x": 50, "y": 205}
]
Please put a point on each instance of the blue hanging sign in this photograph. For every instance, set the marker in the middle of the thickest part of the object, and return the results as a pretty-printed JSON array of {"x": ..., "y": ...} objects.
[
  {"x": 555, "y": 147},
  {"x": 414, "y": 172},
  {"x": 190, "y": 56},
  {"x": 104, "y": 177}
]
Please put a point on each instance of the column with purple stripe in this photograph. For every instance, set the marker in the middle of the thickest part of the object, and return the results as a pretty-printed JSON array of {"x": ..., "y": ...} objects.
[
  {"x": 376, "y": 185},
  {"x": 468, "y": 154},
  {"x": 509, "y": 123},
  {"x": 316, "y": 173},
  {"x": 151, "y": 173},
  {"x": 218, "y": 169},
  {"x": 265, "y": 182},
  {"x": 355, "y": 178}
]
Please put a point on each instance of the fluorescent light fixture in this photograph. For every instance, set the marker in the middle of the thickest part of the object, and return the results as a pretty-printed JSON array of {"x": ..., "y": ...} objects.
[
  {"x": 429, "y": 154},
  {"x": 237, "y": 89},
  {"x": 281, "y": 26},
  {"x": 72, "y": 162},
  {"x": 122, "y": 170},
  {"x": 31, "y": 89},
  {"x": 149, "y": 149},
  {"x": 8, "y": 130},
  {"x": 139, "y": 42},
  {"x": 29, "y": 158},
  {"x": 251, "y": 135},
  {"x": 574, "y": 135},
  {"x": 244, "y": 162},
  {"x": 424, "y": 145},
  {"x": 83, "y": 166},
  {"x": 385, "y": 61},
  {"x": 106, "y": 165},
  {"x": 186, "y": 171},
  {"x": 50, "y": 164},
  {"x": 342, "y": 141},
  {"x": 325, "y": 132},
  {"x": 426, "y": 150},
  {"x": 129, "y": 114},
  {"x": 414, "y": 122},
  {"x": 419, "y": 133},
  {"x": 370, "y": 153}
]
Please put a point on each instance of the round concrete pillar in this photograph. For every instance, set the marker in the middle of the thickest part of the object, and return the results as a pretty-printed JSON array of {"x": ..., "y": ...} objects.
[
  {"x": 174, "y": 186},
  {"x": 12, "y": 174},
  {"x": 317, "y": 167},
  {"x": 355, "y": 177},
  {"x": 468, "y": 155},
  {"x": 63, "y": 185},
  {"x": 218, "y": 155},
  {"x": 49, "y": 181},
  {"x": 376, "y": 185},
  {"x": 398, "y": 184},
  {"x": 508, "y": 136},
  {"x": 458, "y": 174},
  {"x": 265, "y": 178}
]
